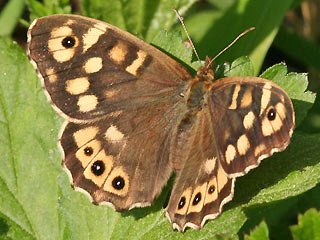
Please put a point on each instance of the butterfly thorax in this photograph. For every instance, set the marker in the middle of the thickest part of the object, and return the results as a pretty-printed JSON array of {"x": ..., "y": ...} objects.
[{"x": 199, "y": 88}]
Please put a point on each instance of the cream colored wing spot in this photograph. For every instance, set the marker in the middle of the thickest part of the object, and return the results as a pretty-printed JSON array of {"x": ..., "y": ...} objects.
[
  {"x": 212, "y": 191},
  {"x": 271, "y": 126},
  {"x": 93, "y": 65},
  {"x": 230, "y": 153},
  {"x": 70, "y": 22},
  {"x": 248, "y": 120},
  {"x": 259, "y": 149},
  {"x": 113, "y": 134},
  {"x": 92, "y": 36},
  {"x": 83, "y": 136},
  {"x": 78, "y": 85},
  {"x": 246, "y": 98},
  {"x": 222, "y": 179},
  {"x": 101, "y": 26},
  {"x": 63, "y": 55},
  {"x": 265, "y": 98},
  {"x": 61, "y": 32},
  {"x": 52, "y": 77},
  {"x": 117, "y": 182},
  {"x": 183, "y": 204},
  {"x": 99, "y": 176},
  {"x": 87, "y": 152},
  {"x": 267, "y": 86},
  {"x": 209, "y": 165},
  {"x": 281, "y": 110},
  {"x": 243, "y": 144},
  {"x": 59, "y": 52},
  {"x": 133, "y": 68},
  {"x": 235, "y": 95},
  {"x": 87, "y": 103},
  {"x": 197, "y": 199},
  {"x": 118, "y": 52},
  {"x": 266, "y": 127}
]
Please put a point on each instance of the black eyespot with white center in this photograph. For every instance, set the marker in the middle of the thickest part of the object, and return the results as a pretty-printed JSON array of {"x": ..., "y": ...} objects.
[
  {"x": 98, "y": 168},
  {"x": 196, "y": 199},
  {"x": 88, "y": 151},
  {"x": 68, "y": 42},
  {"x": 118, "y": 183},
  {"x": 182, "y": 202},
  {"x": 271, "y": 114},
  {"x": 211, "y": 189}
]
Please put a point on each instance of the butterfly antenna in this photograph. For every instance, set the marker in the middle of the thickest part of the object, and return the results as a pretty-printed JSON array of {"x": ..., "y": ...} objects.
[
  {"x": 185, "y": 29},
  {"x": 236, "y": 39}
]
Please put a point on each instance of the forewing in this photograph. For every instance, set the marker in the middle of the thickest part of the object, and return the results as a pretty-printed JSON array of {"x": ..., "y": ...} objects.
[
  {"x": 90, "y": 68},
  {"x": 252, "y": 119}
]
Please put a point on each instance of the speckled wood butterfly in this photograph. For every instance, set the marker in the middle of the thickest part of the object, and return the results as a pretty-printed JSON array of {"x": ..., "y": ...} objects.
[{"x": 134, "y": 116}]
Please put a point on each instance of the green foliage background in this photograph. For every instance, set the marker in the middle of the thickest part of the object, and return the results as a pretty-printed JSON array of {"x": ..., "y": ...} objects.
[{"x": 278, "y": 200}]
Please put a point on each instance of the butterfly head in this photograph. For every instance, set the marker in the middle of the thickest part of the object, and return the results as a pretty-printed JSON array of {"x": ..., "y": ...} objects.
[{"x": 205, "y": 74}]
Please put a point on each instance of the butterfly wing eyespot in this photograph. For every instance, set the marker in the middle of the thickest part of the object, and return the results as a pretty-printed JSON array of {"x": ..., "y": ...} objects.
[
  {"x": 88, "y": 151},
  {"x": 68, "y": 42},
  {"x": 98, "y": 168},
  {"x": 211, "y": 189},
  {"x": 271, "y": 114},
  {"x": 182, "y": 202},
  {"x": 196, "y": 199},
  {"x": 118, "y": 183}
]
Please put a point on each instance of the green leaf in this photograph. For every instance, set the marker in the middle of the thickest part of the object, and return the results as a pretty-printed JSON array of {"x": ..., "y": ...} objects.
[
  {"x": 240, "y": 67},
  {"x": 279, "y": 214},
  {"x": 29, "y": 159},
  {"x": 48, "y": 7},
  {"x": 308, "y": 226},
  {"x": 284, "y": 175},
  {"x": 298, "y": 47},
  {"x": 10, "y": 15},
  {"x": 213, "y": 29},
  {"x": 222, "y": 4},
  {"x": 173, "y": 45},
  {"x": 296, "y": 85},
  {"x": 259, "y": 233},
  {"x": 144, "y": 17},
  {"x": 35, "y": 190}
]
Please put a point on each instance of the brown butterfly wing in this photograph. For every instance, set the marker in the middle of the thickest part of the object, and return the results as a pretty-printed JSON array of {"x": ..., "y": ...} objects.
[
  {"x": 234, "y": 130},
  {"x": 253, "y": 118},
  {"x": 122, "y": 159},
  {"x": 201, "y": 187},
  {"x": 90, "y": 68},
  {"x": 121, "y": 96}
]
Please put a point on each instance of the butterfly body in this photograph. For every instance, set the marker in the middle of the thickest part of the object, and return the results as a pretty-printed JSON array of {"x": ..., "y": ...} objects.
[{"x": 134, "y": 116}]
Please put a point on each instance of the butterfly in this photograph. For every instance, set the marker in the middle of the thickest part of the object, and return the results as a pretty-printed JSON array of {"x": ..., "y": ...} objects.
[{"x": 134, "y": 116}]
